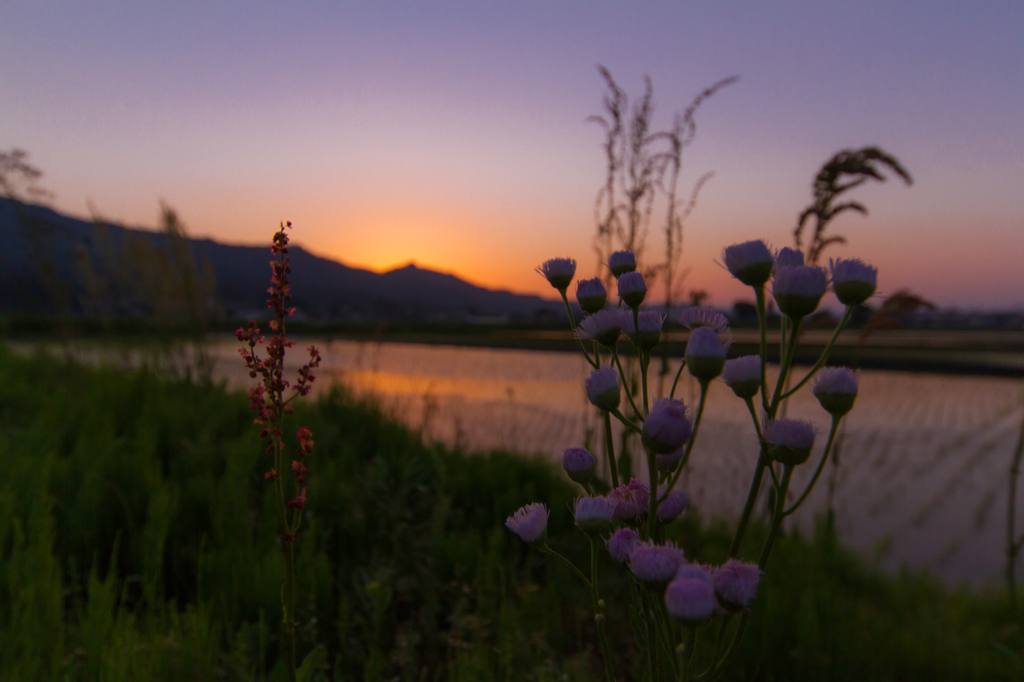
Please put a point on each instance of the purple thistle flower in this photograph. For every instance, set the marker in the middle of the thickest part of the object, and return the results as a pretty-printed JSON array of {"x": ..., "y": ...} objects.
[
  {"x": 705, "y": 354},
  {"x": 558, "y": 272},
  {"x": 604, "y": 326},
  {"x": 594, "y": 514},
  {"x": 691, "y": 594},
  {"x": 736, "y": 583},
  {"x": 667, "y": 426},
  {"x": 787, "y": 257},
  {"x": 622, "y": 262},
  {"x": 743, "y": 375},
  {"x": 650, "y": 329},
  {"x": 579, "y": 463},
  {"x": 789, "y": 440},
  {"x": 652, "y": 563},
  {"x": 591, "y": 294},
  {"x": 853, "y": 280},
  {"x": 836, "y": 389},
  {"x": 798, "y": 289},
  {"x": 530, "y": 522},
  {"x": 630, "y": 500},
  {"x": 602, "y": 388},
  {"x": 632, "y": 288},
  {"x": 667, "y": 463},
  {"x": 703, "y": 316},
  {"x": 750, "y": 262},
  {"x": 670, "y": 506},
  {"x": 621, "y": 543}
]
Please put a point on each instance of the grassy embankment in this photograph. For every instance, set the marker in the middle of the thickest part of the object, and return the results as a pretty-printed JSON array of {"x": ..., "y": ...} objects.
[{"x": 136, "y": 543}]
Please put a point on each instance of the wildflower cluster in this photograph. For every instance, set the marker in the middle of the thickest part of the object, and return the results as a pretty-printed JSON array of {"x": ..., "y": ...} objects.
[
  {"x": 678, "y": 597},
  {"x": 270, "y": 402}
]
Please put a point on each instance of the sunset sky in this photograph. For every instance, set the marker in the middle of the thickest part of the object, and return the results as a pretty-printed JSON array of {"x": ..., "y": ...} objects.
[{"x": 454, "y": 134}]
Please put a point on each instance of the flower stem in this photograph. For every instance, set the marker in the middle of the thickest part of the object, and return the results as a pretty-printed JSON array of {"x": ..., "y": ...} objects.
[
  {"x": 777, "y": 516},
  {"x": 610, "y": 449},
  {"x": 572, "y": 324},
  {"x": 704, "y": 386},
  {"x": 676, "y": 382},
  {"x": 824, "y": 354},
  {"x": 545, "y": 548},
  {"x": 599, "y": 614},
  {"x": 821, "y": 466}
]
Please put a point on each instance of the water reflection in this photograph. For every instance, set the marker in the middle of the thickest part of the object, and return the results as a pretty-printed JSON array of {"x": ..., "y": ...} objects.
[{"x": 923, "y": 458}]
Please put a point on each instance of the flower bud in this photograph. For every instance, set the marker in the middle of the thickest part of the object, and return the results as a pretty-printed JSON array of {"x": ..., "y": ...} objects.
[
  {"x": 621, "y": 543},
  {"x": 667, "y": 426},
  {"x": 691, "y": 595},
  {"x": 836, "y": 389},
  {"x": 650, "y": 329},
  {"x": 530, "y": 522},
  {"x": 594, "y": 514},
  {"x": 787, "y": 257},
  {"x": 602, "y": 388},
  {"x": 703, "y": 316},
  {"x": 591, "y": 294},
  {"x": 558, "y": 272},
  {"x": 853, "y": 280},
  {"x": 630, "y": 500},
  {"x": 705, "y": 354},
  {"x": 579, "y": 464},
  {"x": 743, "y": 375},
  {"x": 798, "y": 289},
  {"x": 736, "y": 583},
  {"x": 749, "y": 262},
  {"x": 670, "y": 506},
  {"x": 622, "y": 262},
  {"x": 655, "y": 564},
  {"x": 667, "y": 463},
  {"x": 789, "y": 440},
  {"x": 604, "y": 326},
  {"x": 632, "y": 289}
]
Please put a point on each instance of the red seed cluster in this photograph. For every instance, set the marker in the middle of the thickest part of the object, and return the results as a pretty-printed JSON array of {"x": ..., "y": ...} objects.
[{"x": 268, "y": 399}]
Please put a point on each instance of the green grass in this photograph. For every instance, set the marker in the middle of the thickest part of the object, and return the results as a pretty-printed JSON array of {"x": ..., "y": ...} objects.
[{"x": 137, "y": 543}]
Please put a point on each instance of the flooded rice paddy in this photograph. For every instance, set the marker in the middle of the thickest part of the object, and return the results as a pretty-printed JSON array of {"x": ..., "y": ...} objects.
[{"x": 923, "y": 462}]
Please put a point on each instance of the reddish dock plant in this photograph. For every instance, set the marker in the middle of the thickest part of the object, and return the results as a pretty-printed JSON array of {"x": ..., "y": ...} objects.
[{"x": 270, "y": 401}]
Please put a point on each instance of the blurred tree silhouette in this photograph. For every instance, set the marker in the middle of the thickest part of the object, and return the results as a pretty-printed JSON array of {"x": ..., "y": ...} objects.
[{"x": 848, "y": 169}]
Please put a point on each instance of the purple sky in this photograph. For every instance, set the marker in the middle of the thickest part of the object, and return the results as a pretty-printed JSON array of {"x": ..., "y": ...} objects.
[{"x": 454, "y": 134}]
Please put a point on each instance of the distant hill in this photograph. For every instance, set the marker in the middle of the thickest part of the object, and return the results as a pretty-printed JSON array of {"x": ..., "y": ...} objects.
[{"x": 50, "y": 262}]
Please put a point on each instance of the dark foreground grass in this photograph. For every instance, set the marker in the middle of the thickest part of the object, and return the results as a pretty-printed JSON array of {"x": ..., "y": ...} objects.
[{"x": 137, "y": 543}]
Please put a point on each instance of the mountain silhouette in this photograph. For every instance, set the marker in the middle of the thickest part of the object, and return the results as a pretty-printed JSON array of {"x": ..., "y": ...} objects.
[{"x": 50, "y": 262}]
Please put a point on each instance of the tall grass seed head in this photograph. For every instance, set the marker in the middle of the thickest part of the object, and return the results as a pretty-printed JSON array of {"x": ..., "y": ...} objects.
[
  {"x": 798, "y": 289},
  {"x": 655, "y": 564},
  {"x": 787, "y": 257},
  {"x": 836, "y": 389},
  {"x": 603, "y": 389},
  {"x": 743, "y": 375},
  {"x": 632, "y": 289},
  {"x": 622, "y": 543},
  {"x": 604, "y": 326},
  {"x": 621, "y": 262},
  {"x": 736, "y": 583},
  {"x": 667, "y": 427},
  {"x": 703, "y": 316},
  {"x": 594, "y": 514},
  {"x": 530, "y": 522},
  {"x": 705, "y": 354},
  {"x": 558, "y": 272},
  {"x": 630, "y": 500},
  {"x": 750, "y": 262},
  {"x": 579, "y": 464},
  {"x": 591, "y": 295},
  {"x": 690, "y": 596},
  {"x": 789, "y": 440},
  {"x": 673, "y": 504},
  {"x": 853, "y": 280},
  {"x": 650, "y": 329}
]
